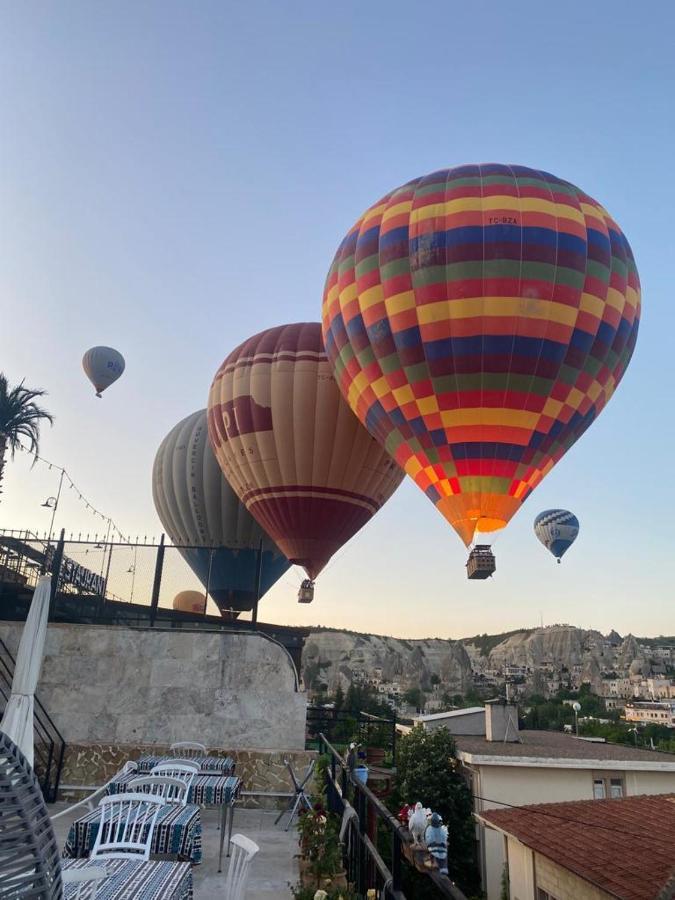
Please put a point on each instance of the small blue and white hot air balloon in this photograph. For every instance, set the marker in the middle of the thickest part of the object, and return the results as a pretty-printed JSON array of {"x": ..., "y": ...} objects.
[
  {"x": 102, "y": 366},
  {"x": 557, "y": 529}
]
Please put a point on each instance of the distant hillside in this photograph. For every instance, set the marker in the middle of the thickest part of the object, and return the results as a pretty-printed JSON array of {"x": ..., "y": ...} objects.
[{"x": 487, "y": 642}]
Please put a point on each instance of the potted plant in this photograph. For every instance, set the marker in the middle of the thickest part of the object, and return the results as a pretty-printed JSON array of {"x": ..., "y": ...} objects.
[{"x": 321, "y": 855}]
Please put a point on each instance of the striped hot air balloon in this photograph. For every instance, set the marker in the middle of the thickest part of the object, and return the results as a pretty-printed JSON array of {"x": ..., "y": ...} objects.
[
  {"x": 557, "y": 529},
  {"x": 478, "y": 320},
  {"x": 291, "y": 448},
  {"x": 202, "y": 515}
]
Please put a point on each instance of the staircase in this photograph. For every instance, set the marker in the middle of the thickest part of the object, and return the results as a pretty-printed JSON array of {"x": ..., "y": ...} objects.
[{"x": 49, "y": 743}]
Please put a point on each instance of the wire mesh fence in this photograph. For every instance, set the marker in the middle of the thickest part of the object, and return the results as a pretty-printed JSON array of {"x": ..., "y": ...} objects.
[{"x": 186, "y": 578}]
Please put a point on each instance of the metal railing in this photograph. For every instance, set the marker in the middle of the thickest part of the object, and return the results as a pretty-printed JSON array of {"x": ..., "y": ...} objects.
[
  {"x": 49, "y": 746},
  {"x": 369, "y": 825},
  {"x": 341, "y": 726}
]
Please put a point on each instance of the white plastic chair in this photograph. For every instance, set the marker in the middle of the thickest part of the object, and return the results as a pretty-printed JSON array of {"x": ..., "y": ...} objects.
[
  {"x": 126, "y": 826},
  {"x": 97, "y": 794},
  {"x": 186, "y": 749},
  {"x": 88, "y": 880},
  {"x": 244, "y": 849},
  {"x": 178, "y": 764},
  {"x": 171, "y": 790}
]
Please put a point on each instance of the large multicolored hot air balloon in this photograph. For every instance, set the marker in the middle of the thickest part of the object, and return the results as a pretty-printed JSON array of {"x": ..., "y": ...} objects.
[
  {"x": 102, "y": 366},
  {"x": 478, "y": 320},
  {"x": 202, "y": 515},
  {"x": 557, "y": 529},
  {"x": 291, "y": 448}
]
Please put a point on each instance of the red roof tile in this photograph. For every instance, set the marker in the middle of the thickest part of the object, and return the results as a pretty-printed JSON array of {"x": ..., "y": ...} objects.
[{"x": 625, "y": 847}]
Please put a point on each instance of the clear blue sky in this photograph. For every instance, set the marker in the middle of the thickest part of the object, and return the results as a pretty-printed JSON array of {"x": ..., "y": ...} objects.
[{"x": 176, "y": 176}]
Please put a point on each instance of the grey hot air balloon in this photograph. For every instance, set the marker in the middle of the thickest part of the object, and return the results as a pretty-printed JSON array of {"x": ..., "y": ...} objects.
[
  {"x": 199, "y": 510},
  {"x": 102, "y": 366}
]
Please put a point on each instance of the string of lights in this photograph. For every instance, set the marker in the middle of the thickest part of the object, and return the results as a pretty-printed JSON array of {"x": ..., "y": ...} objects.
[{"x": 81, "y": 497}]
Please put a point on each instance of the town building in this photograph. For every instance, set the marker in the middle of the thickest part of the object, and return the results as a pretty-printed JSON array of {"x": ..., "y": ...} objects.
[
  {"x": 457, "y": 721},
  {"x": 589, "y": 850},
  {"x": 658, "y": 713},
  {"x": 505, "y": 766}
]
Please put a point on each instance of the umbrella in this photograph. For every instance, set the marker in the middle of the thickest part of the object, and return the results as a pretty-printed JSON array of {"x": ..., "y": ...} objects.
[{"x": 17, "y": 722}]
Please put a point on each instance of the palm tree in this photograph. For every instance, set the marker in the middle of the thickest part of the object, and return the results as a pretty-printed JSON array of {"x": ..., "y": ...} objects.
[{"x": 20, "y": 418}]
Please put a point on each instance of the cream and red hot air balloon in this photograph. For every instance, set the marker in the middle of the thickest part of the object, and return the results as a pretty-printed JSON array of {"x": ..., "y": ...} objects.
[
  {"x": 202, "y": 515},
  {"x": 478, "y": 320},
  {"x": 291, "y": 448},
  {"x": 102, "y": 366},
  {"x": 190, "y": 602}
]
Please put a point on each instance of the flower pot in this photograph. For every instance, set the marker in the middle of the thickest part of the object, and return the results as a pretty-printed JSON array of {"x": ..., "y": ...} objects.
[
  {"x": 337, "y": 882},
  {"x": 361, "y": 774}
]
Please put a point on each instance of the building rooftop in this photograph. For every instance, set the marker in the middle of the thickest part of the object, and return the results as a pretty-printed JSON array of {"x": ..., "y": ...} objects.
[
  {"x": 555, "y": 745},
  {"x": 470, "y": 710},
  {"x": 625, "y": 847}
]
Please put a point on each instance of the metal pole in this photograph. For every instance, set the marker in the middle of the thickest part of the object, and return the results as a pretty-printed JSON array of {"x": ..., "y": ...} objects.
[
  {"x": 159, "y": 565},
  {"x": 56, "y": 504},
  {"x": 258, "y": 581},
  {"x": 208, "y": 580},
  {"x": 56, "y": 571}
]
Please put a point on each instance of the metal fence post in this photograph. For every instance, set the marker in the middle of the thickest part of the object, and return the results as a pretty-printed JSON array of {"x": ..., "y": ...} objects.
[
  {"x": 258, "y": 581},
  {"x": 56, "y": 572},
  {"x": 159, "y": 565}
]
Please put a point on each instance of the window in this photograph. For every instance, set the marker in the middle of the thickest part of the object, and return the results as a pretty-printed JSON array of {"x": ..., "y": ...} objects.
[
  {"x": 605, "y": 786},
  {"x": 615, "y": 788},
  {"x": 544, "y": 895}
]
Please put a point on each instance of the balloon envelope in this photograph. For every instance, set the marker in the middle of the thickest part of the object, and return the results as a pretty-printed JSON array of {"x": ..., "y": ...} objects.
[
  {"x": 190, "y": 601},
  {"x": 478, "y": 320},
  {"x": 204, "y": 518},
  {"x": 557, "y": 529},
  {"x": 292, "y": 449},
  {"x": 102, "y": 366}
]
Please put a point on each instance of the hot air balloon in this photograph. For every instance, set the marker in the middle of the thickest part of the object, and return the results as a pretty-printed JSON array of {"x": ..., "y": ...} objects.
[
  {"x": 478, "y": 320},
  {"x": 557, "y": 529},
  {"x": 291, "y": 448},
  {"x": 102, "y": 366},
  {"x": 190, "y": 601},
  {"x": 202, "y": 515}
]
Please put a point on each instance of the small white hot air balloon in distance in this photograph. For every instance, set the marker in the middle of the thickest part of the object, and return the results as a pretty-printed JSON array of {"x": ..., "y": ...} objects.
[{"x": 102, "y": 366}]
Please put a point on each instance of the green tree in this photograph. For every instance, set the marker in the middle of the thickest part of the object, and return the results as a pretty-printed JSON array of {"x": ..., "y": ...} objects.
[
  {"x": 427, "y": 770},
  {"x": 339, "y": 699},
  {"x": 20, "y": 418},
  {"x": 414, "y": 697}
]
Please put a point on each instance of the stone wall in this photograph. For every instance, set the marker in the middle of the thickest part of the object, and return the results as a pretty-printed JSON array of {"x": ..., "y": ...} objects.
[
  {"x": 110, "y": 686},
  {"x": 261, "y": 771}
]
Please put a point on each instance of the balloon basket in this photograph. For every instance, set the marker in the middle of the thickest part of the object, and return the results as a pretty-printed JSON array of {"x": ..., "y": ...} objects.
[
  {"x": 306, "y": 592},
  {"x": 481, "y": 563}
]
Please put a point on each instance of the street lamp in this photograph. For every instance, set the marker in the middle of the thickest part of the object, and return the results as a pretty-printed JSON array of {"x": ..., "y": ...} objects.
[
  {"x": 53, "y": 504},
  {"x": 577, "y": 709}
]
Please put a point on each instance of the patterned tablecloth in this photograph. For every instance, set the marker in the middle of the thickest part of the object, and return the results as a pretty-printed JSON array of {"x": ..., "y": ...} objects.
[
  {"x": 221, "y": 765},
  {"x": 131, "y": 880},
  {"x": 178, "y": 833},
  {"x": 205, "y": 790}
]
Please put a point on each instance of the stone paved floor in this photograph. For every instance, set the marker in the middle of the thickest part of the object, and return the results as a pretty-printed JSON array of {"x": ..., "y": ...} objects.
[{"x": 271, "y": 871}]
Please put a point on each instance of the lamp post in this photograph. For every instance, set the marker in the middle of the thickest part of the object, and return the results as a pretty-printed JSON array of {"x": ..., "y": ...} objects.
[
  {"x": 577, "y": 708},
  {"x": 53, "y": 504}
]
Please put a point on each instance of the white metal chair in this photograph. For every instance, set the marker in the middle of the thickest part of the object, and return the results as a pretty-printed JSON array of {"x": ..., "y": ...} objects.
[
  {"x": 126, "y": 826},
  {"x": 186, "y": 749},
  {"x": 238, "y": 873},
  {"x": 170, "y": 790}
]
